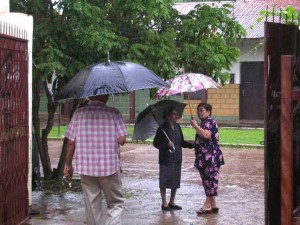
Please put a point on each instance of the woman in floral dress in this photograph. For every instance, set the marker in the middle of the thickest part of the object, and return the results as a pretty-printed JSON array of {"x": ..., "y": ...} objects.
[{"x": 208, "y": 156}]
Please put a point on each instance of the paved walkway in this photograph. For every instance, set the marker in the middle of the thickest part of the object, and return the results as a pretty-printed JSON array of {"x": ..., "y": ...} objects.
[{"x": 241, "y": 192}]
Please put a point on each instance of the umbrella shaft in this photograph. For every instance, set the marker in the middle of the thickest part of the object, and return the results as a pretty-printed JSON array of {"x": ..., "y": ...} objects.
[
  {"x": 189, "y": 104},
  {"x": 171, "y": 151}
]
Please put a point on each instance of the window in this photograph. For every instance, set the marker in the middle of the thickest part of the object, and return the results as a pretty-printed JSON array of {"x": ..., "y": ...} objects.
[
  {"x": 199, "y": 95},
  {"x": 232, "y": 75}
]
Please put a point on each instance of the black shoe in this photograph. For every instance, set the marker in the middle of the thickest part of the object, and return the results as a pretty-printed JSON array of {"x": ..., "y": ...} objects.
[
  {"x": 167, "y": 208},
  {"x": 215, "y": 209},
  {"x": 176, "y": 207}
]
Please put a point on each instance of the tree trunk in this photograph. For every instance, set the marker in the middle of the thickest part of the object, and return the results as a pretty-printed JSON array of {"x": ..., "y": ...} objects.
[
  {"x": 36, "y": 127},
  {"x": 59, "y": 172},
  {"x": 51, "y": 106}
]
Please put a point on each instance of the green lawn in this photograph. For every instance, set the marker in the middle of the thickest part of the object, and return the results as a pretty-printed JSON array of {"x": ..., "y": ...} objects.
[{"x": 233, "y": 136}]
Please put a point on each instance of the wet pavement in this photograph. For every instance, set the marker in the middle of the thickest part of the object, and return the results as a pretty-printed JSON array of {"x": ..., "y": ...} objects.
[{"x": 241, "y": 191}]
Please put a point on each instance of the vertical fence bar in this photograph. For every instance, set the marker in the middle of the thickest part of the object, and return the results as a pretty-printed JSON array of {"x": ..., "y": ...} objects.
[
  {"x": 280, "y": 15},
  {"x": 286, "y": 141}
]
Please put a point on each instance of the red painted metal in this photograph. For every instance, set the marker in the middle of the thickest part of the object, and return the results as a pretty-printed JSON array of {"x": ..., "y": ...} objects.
[
  {"x": 13, "y": 130},
  {"x": 279, "y": 40},
  {"x": 286, "y": 140}
]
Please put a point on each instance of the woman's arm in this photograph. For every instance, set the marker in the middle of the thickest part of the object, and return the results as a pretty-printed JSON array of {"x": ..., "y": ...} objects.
[
  {"x": 184, "y": 143},
  {"x": 204, "y": 133}
]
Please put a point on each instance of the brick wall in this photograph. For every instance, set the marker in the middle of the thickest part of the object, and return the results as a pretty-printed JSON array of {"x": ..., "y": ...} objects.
[{"x": 224, "y": 101}]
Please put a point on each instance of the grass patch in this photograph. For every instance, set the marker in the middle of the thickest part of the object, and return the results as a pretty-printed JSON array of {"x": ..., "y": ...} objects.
[
  {"x": 241, "y": 136},
  {"x": 58, "y": 132},
  {"x": 234, "y": 136}
]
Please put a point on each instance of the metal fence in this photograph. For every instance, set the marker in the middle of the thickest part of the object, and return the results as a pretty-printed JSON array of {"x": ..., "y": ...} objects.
[
  {"x": 275, "y": 15},
  {"x": 13, "y": 130}
]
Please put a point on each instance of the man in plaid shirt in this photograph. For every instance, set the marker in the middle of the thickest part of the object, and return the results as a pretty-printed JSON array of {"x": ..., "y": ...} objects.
[{"x": 94, "y": 134}]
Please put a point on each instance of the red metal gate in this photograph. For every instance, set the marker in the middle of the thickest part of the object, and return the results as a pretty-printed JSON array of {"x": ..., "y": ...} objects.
[
  {"x": 13, "y": 130},
  {"x": 282, "y": 142}
]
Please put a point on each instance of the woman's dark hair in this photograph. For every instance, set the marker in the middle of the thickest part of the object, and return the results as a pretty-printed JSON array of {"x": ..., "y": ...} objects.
[
  {"x": 167, "y": 112},
  {"x": 206, "y": 106}
]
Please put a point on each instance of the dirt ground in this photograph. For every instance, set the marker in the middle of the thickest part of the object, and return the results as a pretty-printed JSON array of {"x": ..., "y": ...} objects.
[{"x": 241, "y": 191}]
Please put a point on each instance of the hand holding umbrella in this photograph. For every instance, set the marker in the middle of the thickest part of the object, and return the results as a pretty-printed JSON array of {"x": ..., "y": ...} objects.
[
  {"x": 149, "y": 120},
  {"x": 170, "y": 144}
]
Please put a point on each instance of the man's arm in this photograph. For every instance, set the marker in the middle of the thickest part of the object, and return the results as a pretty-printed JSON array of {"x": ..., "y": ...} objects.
[
  {"x": 121, "y": 140},
  {"x": 68, "y": 171}
]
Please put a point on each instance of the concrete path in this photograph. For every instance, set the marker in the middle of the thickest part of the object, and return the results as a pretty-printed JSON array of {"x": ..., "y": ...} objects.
[{"x": 241, "y": 192}]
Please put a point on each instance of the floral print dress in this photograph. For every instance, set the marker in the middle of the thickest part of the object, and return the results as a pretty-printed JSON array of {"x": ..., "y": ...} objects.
[{"x": 209, "y": 157}]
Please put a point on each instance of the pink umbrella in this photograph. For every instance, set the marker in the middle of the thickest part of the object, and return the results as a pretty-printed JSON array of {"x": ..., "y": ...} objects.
[{"x": 185, "y": 83}]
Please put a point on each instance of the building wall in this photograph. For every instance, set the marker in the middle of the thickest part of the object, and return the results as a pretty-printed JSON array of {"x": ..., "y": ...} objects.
[
  {"x": 224, "y": 101},
  {"x": 251, "y": 50},
  {"x": 4, "y": 6}
]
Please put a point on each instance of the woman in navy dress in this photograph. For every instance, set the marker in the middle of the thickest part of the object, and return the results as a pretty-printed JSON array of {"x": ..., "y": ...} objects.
[
  {"x": 208, "y": 156},
  {"x": 169, "y": 160}
]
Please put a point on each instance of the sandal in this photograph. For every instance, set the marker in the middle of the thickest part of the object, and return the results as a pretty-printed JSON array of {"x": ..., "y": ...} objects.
[
  {"x": 176, "y": 207},
  {"x": 204, "y": 211}
]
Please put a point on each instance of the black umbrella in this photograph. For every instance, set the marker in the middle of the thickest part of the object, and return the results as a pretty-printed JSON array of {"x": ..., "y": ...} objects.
[
  {"x": 108, "y": 78},
  {"x": 148, "y": 121}
]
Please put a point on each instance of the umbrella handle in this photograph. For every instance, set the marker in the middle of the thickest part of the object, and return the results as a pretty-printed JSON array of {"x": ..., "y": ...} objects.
[{"x": 170, "y": 150}]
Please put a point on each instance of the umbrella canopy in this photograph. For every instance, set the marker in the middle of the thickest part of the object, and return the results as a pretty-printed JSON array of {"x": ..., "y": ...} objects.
[
  {"x": 108, "y": 78},
  {"x": 185, "y": 83},
  {"x": 189, "y": 82},
  {"x": 148, "y": 121}
]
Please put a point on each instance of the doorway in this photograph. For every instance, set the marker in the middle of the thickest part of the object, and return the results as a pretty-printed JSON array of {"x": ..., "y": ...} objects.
[{"x": 252, "y": 91}]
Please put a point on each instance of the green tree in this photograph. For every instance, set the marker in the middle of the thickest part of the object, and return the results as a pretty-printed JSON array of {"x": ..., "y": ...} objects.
[
  {"x": 70, "y": 34},
  {"x": 206, "y": 38},
  {"x": 66, "y": 38},
  {"x": 147, "y": 31}
]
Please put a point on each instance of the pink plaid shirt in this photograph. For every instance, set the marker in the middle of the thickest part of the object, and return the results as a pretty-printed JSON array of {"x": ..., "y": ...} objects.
[{"x": 95, "y": 129}]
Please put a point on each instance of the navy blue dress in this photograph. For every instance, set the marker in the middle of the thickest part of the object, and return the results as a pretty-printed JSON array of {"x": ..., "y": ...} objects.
[{"x": 170, "y": 163}]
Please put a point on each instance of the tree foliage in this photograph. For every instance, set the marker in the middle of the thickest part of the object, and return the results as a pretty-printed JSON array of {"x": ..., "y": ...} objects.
[
  {"x": 205, "y": 38},
  {"x": 70, "y": 34}
]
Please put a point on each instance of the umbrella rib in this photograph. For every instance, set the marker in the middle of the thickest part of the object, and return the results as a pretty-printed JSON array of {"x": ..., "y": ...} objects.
[
  {"x": 122, "y": 76},
  {"x": 189, "y": 97}
]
